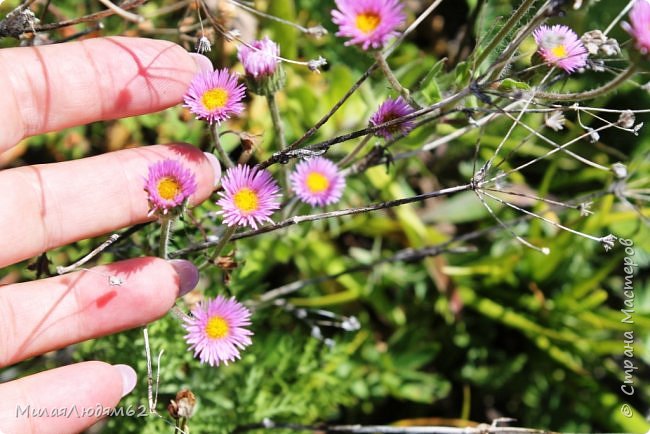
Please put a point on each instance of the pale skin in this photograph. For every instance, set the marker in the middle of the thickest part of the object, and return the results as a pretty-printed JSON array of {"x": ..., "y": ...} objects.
[{"x": 45, "y": 206}]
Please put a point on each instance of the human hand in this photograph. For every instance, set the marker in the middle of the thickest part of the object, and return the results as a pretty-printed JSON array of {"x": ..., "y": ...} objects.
[{"x": 45, "y": 206}]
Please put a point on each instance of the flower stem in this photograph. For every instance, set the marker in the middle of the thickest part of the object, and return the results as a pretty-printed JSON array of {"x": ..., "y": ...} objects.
[
  {"x": 395, "y": 84},
  {"x": 348, "y": 158},
  {"x": 165, "y": 230},
  {"x": 590, "y": 94},
  {"x": 217, "y": 145},
  {"x": 278, "y": 126},
  {"x": 227, "y": 233},
  {"x": 147, "y": 350}
]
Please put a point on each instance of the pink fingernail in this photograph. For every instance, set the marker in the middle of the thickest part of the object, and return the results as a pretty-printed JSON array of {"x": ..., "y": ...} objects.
[
  {"x": 203, "y": 64},
  {"x": 129, "y": 378},
  {"x": 216, "y": 167},
  {"x": 188, "y": 275}
]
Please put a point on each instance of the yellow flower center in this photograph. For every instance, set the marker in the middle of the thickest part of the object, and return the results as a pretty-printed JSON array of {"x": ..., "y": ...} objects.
[
  {"x": 215, "y": 98},
  {"x": 559, "y": 51},
  {"x": 368, "y": 22},
  {"x": 217, "y": 328},
  {"x": 317, "y": 182},
  {"x": 246, "y": 200},
  {"x": 168, "y": 188}
]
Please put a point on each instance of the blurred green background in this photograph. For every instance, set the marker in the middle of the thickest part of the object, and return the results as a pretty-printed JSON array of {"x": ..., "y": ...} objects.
[{"x": 497, "y": 331}]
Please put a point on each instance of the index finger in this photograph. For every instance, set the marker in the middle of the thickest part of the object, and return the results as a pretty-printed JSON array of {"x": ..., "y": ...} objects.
[{"x": 51, "y": 87}]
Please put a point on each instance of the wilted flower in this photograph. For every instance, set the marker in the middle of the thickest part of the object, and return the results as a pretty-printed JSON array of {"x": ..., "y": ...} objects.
[
  {"x": 555, "y": 120},
  {"x": 215, "y": 96},
  {"x": 168, "y": 184},
  {"x": 203, "y": 45},
  {"x": 318, "y": 182},
  {"x": 639, "y": 27},
  {"x": 389, "y": 110},
  {"x": 216, "y": 330},
  {"x": 370, "y": 23},
  {"x": 249, "y": 198},
  {"x": 560, "y": 46},
  {"x": 596, "y": 42}
]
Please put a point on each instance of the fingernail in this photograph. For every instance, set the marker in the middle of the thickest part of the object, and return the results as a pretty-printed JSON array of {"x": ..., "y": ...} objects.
[
  {"x": 216, "y": 167},
  {"x": 188, "y": 275},
  {"x": 203, "y": 64},
  {"x": 129, "y": 378}
]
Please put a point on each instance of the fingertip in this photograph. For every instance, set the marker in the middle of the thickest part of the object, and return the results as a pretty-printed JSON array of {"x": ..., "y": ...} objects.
[
  {"x": 129, "y": 378},
  {"x": 188, "y": 275},
  {"x": 203, "y": 64},
  {"x": 216, "y": 167}
]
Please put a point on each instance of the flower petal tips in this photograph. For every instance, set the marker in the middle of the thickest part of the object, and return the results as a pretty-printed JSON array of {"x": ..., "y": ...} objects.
[
  {"x": 318, "y": 182},
  {"x": 369, "y": 23},
  {"x": 168, "y": 184},
  {"x": 216, "y": 330},
  {"x": 561, "y": 47},
  {"x": 249, "y": 198},
  {"x": 215, "y": 96}
]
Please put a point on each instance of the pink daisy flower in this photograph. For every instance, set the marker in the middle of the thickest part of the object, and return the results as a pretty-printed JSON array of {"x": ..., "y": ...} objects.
[
  {"x": 216, "y": 332},
  {"x": 560, "y": 46},
  {"x": 389, "y": 110},
  {"x": 168, "y": 184},
  {"x": 261, "y": 58},
  {"x": 215, "y": 96},
  {"x": 370, "y": 23},
  {"x": 249, "y": 198},
  {"x": 318, "y": 182},
  {"x": 640, "y": 25}
]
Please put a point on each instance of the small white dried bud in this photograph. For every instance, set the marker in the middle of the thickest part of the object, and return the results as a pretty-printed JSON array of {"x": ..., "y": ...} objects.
[
  {"x": 596, "y": 65},
  {"x": 593, "y": 135},
  {"x": 351, "y": 324},
  {"x": 608, "y": 242},
  {"x": 637, "y": 127},
  {"x": 555, "y": 120},
  {"x": 620, "y": 170},
  {"x": 626, "y": 119},
  {"x": 203, "y": 45},
  {"x": 268, "y": 423},
  {"x": 316, "y": 31},
  {"x": 316, "y": 333},
  {"x": 596, "y": 42},
  {"x": 585, "y": 209},
  {"x": 314, "y": 65},
  {"x": 329, "y": 343},
  {"x": 577, "y": 4}
]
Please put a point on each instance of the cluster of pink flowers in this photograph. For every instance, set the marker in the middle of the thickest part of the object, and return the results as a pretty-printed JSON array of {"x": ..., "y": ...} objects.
[{"x": 217, "y": 329}]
